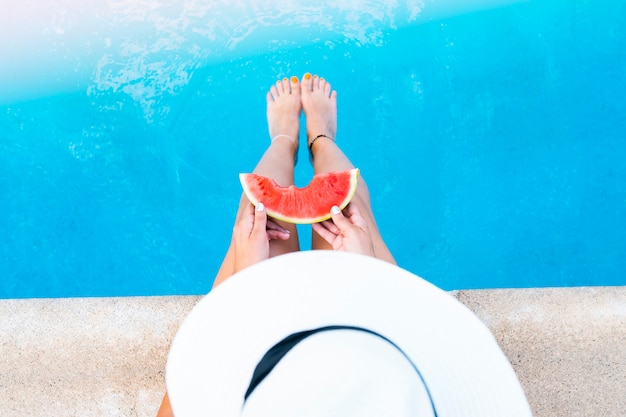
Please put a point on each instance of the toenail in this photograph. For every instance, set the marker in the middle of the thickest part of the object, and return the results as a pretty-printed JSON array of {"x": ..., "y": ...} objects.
[
  {"x": 307, "y": 76},
  {"x": 294, "y": 79},
  {"x": 285, "y": 79}
]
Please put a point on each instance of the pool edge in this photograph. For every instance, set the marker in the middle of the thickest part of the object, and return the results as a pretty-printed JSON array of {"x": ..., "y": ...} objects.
[{"x": 106, "y": 356}]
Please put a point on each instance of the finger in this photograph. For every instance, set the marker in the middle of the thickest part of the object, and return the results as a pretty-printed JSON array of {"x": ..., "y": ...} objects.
[
  {"x": 272, "y": 225},
  {"x": 339, "y": 219},
  {"x": 260, "y": 219},
  {"x": 277, "y": 235},
  {"x": 246, "y": 220},
  {"x": 324, "y": 233},
  {"x": 355, "y": 216},
  {"x": 328, "y": 224}
]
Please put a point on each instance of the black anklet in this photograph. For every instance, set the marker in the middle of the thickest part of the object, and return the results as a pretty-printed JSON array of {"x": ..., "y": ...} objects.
[{"x": 316, "y": 138}]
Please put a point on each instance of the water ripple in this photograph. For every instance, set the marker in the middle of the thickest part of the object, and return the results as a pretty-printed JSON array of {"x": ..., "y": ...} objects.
[{"x": 154, "y": 47}]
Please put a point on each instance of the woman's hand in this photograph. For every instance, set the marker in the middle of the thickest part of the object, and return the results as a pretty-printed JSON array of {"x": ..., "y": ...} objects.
[
  {"x": 349, "y": 234},
  {"x": 252, "y": 234}
]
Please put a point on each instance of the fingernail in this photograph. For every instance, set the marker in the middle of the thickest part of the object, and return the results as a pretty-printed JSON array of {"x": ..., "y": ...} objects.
[
  {"x": 294, "y": 79},
  {"x": 260, "y": 207},
  {"x": 307, "y": 76},
  {"x": 335, "y": 210}
]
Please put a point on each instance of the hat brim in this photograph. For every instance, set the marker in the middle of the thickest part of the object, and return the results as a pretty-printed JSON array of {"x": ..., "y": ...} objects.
[{"x": 221, "y": 341}]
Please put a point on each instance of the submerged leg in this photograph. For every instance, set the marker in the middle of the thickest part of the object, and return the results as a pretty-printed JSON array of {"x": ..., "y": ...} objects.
[
  {"x": 283, "y": 119},
  {"x": 320, "y": 107}
]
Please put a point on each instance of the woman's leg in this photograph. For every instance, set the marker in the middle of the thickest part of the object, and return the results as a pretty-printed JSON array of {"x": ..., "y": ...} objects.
[
  {"x": 283, "y": 119},
  {"x": 320, "y": 107}
]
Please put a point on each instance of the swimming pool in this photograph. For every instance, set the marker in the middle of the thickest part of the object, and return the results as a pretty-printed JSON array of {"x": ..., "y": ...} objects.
[{"x": 492, "y": 137}]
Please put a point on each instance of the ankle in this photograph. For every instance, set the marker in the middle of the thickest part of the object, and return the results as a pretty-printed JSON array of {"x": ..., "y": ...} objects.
[
  {"x": 286, "y": 146},
  {"x": 315, "y": 139},
  {"x": 285, "y": 141},
  {"x": 284, "y": 137}
]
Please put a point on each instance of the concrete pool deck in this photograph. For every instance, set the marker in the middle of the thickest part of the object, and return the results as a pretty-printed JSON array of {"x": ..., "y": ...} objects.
[{"x": 106, "y": 356}]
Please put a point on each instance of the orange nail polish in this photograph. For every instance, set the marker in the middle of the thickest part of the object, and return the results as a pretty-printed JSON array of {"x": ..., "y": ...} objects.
[
  {"x": 307, "y": 76},
  {"x": 294, "y": 79},
  {"x": 285, "y": 79}
]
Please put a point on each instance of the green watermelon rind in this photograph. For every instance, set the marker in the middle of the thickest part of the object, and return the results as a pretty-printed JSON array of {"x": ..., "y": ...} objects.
[{"x": 354, "y": 175}]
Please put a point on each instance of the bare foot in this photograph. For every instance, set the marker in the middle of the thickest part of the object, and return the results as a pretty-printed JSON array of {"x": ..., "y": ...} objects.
[
  {"x": 283, "y": 111},
  {"x": 320, "y": 107}
]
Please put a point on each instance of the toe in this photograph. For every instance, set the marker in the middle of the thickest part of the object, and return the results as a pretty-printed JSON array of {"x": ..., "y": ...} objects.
[
  {"x": 316, "y": 82},
  {"x": 307, "y": 82},
  {"x": 279, "y": 87},
  {"x": 295, "y": 85},
  {"x": 274, "y": 92},
  {"x": 326, "y": 87}
]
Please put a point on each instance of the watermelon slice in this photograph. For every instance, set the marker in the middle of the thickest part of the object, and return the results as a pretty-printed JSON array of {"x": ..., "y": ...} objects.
[{"x": 310, "y": 204}]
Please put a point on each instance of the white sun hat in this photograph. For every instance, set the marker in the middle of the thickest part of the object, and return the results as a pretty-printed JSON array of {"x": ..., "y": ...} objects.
[{"x": 323, "y": 333}]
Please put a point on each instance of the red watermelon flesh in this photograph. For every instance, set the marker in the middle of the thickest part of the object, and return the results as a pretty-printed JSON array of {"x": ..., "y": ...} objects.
[{"x": 310, "y": 204}]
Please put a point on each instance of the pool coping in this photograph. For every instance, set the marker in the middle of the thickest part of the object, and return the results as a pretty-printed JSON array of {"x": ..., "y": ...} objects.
[{"x": 106, "y": 356}]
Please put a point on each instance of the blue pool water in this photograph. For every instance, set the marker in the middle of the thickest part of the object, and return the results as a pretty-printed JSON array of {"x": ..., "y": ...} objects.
[{"x": 492, "y": 137}]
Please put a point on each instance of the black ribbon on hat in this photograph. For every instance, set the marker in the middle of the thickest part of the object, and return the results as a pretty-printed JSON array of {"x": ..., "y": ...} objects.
[{"x": 280, "y": 349}]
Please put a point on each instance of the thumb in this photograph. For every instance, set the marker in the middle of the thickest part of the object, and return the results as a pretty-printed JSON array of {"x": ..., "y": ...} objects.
[
  {"x": 341, "y": 221},
  {"x": 260, "y": 218}
]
